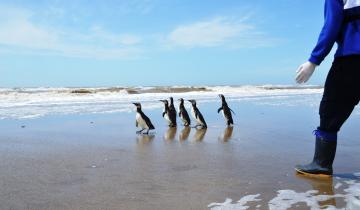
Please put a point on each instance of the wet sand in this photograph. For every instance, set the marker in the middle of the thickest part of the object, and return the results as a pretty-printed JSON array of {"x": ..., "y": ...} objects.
[{"x": 98, "y": 162}]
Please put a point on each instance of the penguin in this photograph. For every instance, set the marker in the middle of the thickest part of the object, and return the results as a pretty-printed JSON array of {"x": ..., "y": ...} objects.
[
  {"x": 142, "y": 120},
  {"x": 169, "y": 115},
  {"x": 183, "y": 114},
  {"x": 197, "y": 115},
  {"x": 172, "y": 110},
  {"x": 226, "y": 111},
  {"x": 171, "y": 105}
]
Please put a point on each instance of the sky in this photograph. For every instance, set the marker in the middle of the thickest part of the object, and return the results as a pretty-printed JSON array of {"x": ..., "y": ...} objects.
[{"x": 80, "y": 43}]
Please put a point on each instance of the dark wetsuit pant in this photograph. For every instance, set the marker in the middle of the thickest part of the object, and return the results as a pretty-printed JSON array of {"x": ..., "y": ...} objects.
[{"x": 341, "y": 93}]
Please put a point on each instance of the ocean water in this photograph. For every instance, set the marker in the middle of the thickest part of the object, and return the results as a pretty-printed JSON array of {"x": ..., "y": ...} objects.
[{"x": 22, "y": 103}]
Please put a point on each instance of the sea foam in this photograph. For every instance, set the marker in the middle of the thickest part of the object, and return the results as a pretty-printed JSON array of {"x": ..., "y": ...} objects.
[
  {"x": 287, "y": 199},
  {"x": 20, "y": 103}
]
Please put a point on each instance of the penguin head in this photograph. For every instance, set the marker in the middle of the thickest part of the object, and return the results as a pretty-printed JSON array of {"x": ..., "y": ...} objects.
[
  {"x": 171, "y": 100},
  {"x": 222, "y": 97},
  {"x": 181, "y": 100},
  {"x": 165, "y": 102},
  {"x": 138, "y": 105},
  {"x": 193, "y": 102}
]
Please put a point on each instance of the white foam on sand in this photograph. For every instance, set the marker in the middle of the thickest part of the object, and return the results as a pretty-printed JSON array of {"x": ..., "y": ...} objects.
[
  {"x": 338, "y": 185},
  {"x": 240, "y": 205},
  {"x": 287, "y": 199}
]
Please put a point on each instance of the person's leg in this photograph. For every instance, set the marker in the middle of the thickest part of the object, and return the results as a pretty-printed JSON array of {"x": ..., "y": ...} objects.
[{"x": 341, "y": 94}]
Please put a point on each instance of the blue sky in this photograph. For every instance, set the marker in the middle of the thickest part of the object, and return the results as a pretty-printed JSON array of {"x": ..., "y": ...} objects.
[{"x": 157, "y": 42}]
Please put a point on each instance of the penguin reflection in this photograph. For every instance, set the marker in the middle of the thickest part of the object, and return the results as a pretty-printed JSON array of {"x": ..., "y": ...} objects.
[
  {"x": 227, "y": 134},
  {"x": 184, "y": 134},
  {"x": 144, "y": 139},
  {"x": 324, "y": 186},
  {"x": 170, "y": 134},
  {"x": 200, "y": 134}
]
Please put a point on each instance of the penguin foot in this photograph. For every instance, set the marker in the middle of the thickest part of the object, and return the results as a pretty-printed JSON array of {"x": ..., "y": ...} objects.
[
  {"x": 139, "y": 132},
  {"x": 147, "y": 132}
]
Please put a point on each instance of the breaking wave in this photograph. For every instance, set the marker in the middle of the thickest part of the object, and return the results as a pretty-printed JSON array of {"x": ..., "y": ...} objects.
[{"x": 19, "y": 103}]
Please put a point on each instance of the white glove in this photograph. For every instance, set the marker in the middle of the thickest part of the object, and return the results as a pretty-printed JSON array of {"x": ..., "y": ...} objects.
[{"x": 304, "y": 72}]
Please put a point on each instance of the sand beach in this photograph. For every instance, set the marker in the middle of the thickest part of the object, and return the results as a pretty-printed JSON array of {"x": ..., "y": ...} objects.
[{"x": 95, "y": 160}]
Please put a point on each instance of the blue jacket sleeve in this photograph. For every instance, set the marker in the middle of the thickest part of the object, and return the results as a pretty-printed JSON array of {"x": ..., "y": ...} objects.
[{"x": 334, "y": 15}]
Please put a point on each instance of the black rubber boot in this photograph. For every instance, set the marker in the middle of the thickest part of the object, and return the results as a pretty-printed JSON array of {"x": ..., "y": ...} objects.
[{"x": 323, "y": 158}]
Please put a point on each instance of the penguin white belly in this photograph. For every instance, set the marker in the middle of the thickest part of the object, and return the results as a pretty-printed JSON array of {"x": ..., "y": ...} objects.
[
  {"x": 141, "y": 122},
  {"x": 167, "y": 118},
  {"x": 193, "y": 113},
  {"x": 223, "y": 114}
]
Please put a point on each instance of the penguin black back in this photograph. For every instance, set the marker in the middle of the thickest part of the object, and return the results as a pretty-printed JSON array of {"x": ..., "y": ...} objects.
[
  {"x": 172, "y": 112},
  {"x": 183, "y": 114},
  {"x": 226, "y": 111},
  {"x": 171, "y": 105}
]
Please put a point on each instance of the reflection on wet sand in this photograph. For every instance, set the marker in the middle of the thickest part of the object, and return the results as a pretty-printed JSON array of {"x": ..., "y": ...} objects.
[
  {"x": 323, "y": 186},
  {"x": 170, "y": 134},
  {"x": 184, "y": 134},
  {"x": 144, "y": 139},
  {"x": 199, "y": 134},
  {"x": 227, "y": 134}
]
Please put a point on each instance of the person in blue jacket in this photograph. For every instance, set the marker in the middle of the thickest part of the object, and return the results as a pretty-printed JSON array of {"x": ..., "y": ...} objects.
[{"x": 342, "y": 86}]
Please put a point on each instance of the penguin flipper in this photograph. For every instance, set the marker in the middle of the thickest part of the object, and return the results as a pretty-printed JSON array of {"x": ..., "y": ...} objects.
[
  {"x": 196, "y": 114},
  {"x": 221, "y": 108},
  {"x": 232, "y": 111},
  {"x": 163, "y": 114},
  {"x": 136, "y": 123},
  {"x": 230, "y": 122}
]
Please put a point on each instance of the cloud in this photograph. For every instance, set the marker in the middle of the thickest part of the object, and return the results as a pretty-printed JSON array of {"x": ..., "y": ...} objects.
[
  {"x": 217, "y": 32},
  {"x": 20, "y": 34}
]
